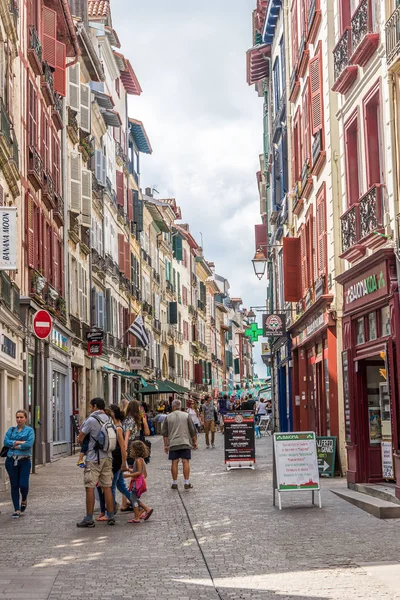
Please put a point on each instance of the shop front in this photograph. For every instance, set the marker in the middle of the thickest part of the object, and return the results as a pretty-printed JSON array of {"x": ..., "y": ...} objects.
[
  {"x": 371, "y": 330},
  {"x": 59, "y": 380},
  {"x": 283, "y": 360},
  {"x": 314, "y": 378}
]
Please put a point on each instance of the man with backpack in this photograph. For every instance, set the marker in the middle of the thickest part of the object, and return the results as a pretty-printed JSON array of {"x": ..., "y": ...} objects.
[{"x": 98, "y": 468}]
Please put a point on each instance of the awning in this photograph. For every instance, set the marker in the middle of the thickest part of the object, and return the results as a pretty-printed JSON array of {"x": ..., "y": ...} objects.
[
  {"x": 140, "y": 136},
  {"x": 111, "y": 117},
  {"x": 128, "y": 75},
  {"x": 156, "y": 215},
  {"x": 163, "y": 387},
  {"x": 271, "y": 19},
  {"x": 122, "y": 373},
  {"x": 179, "y": 389},
  {"x": 103, "y": 100},
  {"x": 257, "y": 62}
]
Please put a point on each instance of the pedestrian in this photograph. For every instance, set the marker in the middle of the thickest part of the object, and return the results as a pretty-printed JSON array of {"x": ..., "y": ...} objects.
[
  {"x": 119, "y": 463},
  {"x": 249, "y": 403},
  {"x": 191, "y": 411},
  {"x": 261, "y": 409},
  {"x": 209, "y": 422},
  {"x": 98, "y": 467},
  {"x": 19, "y": 440},
  {"x": 222, "y": 409},
  {"x": 180, "y": 436},
  {"x": 138, "y": 486}
]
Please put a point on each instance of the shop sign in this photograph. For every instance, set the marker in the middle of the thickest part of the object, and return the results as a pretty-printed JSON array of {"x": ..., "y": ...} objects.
[
  {"x": 365, "y": 289},
  {"x": 312, "y": 326},
  {"x": 136, "y": 360},
  {"x": 59, "y": 340},
  {"x": 9, "y": 347},
  {"x": 95, "y": 348},
  {"x": 239, "y": 438},
  {"x": 326, "y": 453},
  {"x": 8, "y": 238},
  {"x": 265, "y": 349},
  {"x": 296, "y": 466},
  {"x": 274, "y": 325},
  {"x": 387, "y": 460}
]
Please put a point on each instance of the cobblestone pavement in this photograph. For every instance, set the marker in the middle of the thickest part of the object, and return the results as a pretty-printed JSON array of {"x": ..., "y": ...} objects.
[{"x": 223, "y": 540}]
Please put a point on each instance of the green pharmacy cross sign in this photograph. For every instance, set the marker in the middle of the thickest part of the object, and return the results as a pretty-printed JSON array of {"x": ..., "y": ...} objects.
[{"x": 254, "y": 332}]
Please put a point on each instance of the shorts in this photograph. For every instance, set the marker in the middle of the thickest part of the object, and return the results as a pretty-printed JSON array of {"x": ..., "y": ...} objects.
[
  {"x": 100, "y": 473},
  {"x": 184, "y": 453},
  {"x": 221, "y": 419}
]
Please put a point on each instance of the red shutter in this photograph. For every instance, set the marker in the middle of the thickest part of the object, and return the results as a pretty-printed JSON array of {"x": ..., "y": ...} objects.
[
  {"x": 49, "y": 36},
  {"x": 55, "y": 151},
  {"x": 322, "y": 259},
  {"x": 304, "y": 266},
  {"x": 306, "y": 125},
  {"x": 294, "y": 32},
  {"x": 30, "y": 232},
  {"x": 121, "y": 252},
  {"x": 120, "y": 188},
  {"x": 291, "y": 269},
  {"x": 32, "y": 115},
  {"x": 60, "y": 78},
  {"x": 344, "y": 9},
  {"x": 317, "y": 112},
  {"x": 296, "y": 159},
  {"x": 130, "y": 205},
  {"x": 260, "y": 233},
  {"x": 198, "y": 373},
  {"x": 132, "y": 339},
  {"x": 127, "y": 260},
  {"x": 310, "y": 246},
  {"x": 61, "y": 265}
]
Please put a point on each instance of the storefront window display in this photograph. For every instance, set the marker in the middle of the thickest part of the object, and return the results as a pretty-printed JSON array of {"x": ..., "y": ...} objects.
[
  {"x": 58, "y": 399},
  {"x": 385, "y": 320},
  {"x": 360, "y": 331},
  {"x": 372, "y": 329}
]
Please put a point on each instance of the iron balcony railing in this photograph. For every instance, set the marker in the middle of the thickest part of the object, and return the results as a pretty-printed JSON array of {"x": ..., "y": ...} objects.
[
  {"x": 35, "y": 43},
  {"x": 361, "y": 23},
  {"x": 392, "y": 32},
  {"x": 342, "y": 53},
  {"x": 5, "y": 122}
]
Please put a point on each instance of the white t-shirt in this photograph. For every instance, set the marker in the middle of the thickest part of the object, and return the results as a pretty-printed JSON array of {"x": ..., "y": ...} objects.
[
  {"x": 193, "y": 414},
  {"x": 262, "y": 408}
]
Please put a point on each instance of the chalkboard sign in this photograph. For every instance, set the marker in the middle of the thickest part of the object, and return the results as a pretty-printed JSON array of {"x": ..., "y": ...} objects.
[
  {"x": 239, "y": 438},
  {"x": 326, "y": 454},
  {"x": 75, "y": 424}
]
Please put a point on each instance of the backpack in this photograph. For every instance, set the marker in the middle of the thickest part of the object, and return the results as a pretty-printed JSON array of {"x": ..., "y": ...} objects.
[{"x": 107, "y": 436}]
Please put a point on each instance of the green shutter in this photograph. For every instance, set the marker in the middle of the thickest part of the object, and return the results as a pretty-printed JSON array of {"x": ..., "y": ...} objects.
[
  {"x": 237, "y": 366},
  {"x": 177, "y": 247}
]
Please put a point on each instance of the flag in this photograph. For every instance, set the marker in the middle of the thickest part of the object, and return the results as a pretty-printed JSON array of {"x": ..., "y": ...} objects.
[{"x": 138, "y": 330}]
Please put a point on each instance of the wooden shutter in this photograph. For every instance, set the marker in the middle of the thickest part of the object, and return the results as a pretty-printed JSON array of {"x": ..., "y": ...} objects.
[
  {"x": 306, "y": 124},
  {"x": 86, "y": 197},
  {"x": 130, "y": 205},
  {"x": 294, "y": 33},
  {"x": 315, "y": 82},
  {"x": 55, "y": 150},
  {"x": 47, "y": 248},
  {"x": 121, "y": 252},
  {"x": 310, "y": 246},
  {"x": 55, "y": 265},
  {"x": 322, "y": 261},
  {"x": 85, "y": 107},
  {"x": 44, "y": 138},
  {"x": 61, "y": 265},
  {"x": 127, "y": 260},
  {"x": 32, "y": 115},
  {"x": 97, "y": 164},
  {"x": 303, "y": 254},
  {"x": 60, "y": 76},
  {"x": 260, "y": 236},
  {"x": 50, "y": 37},
  {"x": 100, "y": 310},
  {"x": 75, "y": 182},
  {"x": 120, "y": 187},
  {"x": 74, "y": 80},
  {"x": 30, "y": 231},
  {"x": 291, "y": 269}
]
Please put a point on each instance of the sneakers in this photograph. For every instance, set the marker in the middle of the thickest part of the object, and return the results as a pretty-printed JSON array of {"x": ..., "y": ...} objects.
[
  {"x": 207, "y": 447},
  {"x": 188, "y": 486},
  {"x": 16, "y": 515},
  {"x": 213, "y": 446},
  {"x": 174, "y": 486},
  {"x": 111, "y": 521},
  {"x": 24, "y": 505},
  {"x": 86, "y": 523}
]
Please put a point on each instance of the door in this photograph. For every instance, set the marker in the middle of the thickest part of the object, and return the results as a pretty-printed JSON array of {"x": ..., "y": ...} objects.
[{"x": 311, "y": 390}]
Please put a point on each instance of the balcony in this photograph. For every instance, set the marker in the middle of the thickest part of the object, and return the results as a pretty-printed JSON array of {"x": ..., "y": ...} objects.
[
  {"x": 170, "y": 287},
  {"x": 85, "y": 148},
  {"x": 37, "y": 285},
  {"x": 364, "y": 40},
  {"x": 35, "y": 168},
  {"x": 98, "y": 262},
  {"x": 303, "y": 56},
  {"x": 344, "y": 72},
  {"x": 35, "y": 51},
  {"x": 58, "y": 213},
  {"x": 298, "y": 201},
  {"x": 279, "y": 117},
  {"x": 73, "y": 229},
  {"x": 318, "y": 153},
  {"x": 392, "y": 34},
  {"x": 157, "y": 326},
  {"x": 57, "y": 112},
  {"x": 362, "y": 225},
  {"x": 47, "y": 85},
  {"x": 314, "y": 20},
  {"x": 194, "y": 280},
  {"x": 294, "y": 85},
  {"x": 307, "y": 183},
  {"x": 72, "y": 125},
  {"x": 201, "y": 306},
  {"x": 84, "y": 239},
  {"x": 48, "y": 191}
]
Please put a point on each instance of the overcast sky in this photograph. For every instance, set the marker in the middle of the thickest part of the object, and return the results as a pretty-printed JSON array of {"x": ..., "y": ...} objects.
[{"x": 203, "y": 121}]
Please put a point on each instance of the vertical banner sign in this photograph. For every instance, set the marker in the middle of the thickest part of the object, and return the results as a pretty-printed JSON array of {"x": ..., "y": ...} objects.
[
  {"x": 239, "y": 439},
  {"x": 326, "y": 453},
  {"x": 296, "y": 464},
  {"x": 8, "y": 238}
]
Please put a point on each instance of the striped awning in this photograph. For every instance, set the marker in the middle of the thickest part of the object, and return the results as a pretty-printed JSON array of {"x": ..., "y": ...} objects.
[
  {"x": 258, "y": 63},
  {"x": 111, "y": 117},
  {"x": 140, "y": 136}
]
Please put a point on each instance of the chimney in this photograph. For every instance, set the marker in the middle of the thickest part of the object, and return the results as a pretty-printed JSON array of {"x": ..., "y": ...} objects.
[{"x": 148, "y": 192}]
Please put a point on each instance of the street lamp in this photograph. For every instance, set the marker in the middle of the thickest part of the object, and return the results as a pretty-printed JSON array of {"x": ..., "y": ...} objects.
[
  {"x": 259, "y": 263},
  {"x": 251, "y": 316}
]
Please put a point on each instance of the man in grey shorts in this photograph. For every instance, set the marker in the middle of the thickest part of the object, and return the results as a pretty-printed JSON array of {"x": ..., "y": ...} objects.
[
  {"x": 180, "y": 436},
  {"x": 98, "y": 467}
]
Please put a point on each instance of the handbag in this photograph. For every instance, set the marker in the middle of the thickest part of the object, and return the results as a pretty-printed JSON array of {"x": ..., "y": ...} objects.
[{"x": 4, "y": 451}]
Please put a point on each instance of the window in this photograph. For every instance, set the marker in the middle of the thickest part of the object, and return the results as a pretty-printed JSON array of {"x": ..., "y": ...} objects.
[
  {"x": 360, "y": 331},
  {"x": 117, "y": 87},
  {"x": 373, "y": 150},
  {"x": 351, "y": 149},
  {"x": 304, "y": 266},
  {"x": 294, "y": 32},
  {"x": 296, "y": 151},
  {"x": 306, "y": 149},
  {"x": 317, "y": 110},
  {"x": 277, "y": 86},
  {"x": 385, "y": 321},
  {"x": 372, "y": 331},
  {"x": 321, "y": 233},
  {"x": 309, "y": 229}
]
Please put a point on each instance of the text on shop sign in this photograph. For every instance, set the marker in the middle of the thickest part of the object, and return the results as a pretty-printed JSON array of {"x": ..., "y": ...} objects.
[{"x": 366, "y": 286}]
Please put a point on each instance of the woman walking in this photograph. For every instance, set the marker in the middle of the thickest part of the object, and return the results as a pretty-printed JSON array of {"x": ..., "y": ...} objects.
[{"x": 19, "y": 440}]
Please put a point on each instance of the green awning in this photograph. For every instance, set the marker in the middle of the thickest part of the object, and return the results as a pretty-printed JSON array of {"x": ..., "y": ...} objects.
[
  {"x": 179, "y": 389},
  {"x": 163, "y": 387},
  {"x": 122, "y": 373}
]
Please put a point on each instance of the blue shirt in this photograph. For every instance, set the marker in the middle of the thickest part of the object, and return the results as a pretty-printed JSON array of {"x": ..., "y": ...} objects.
[{"x": 27, "y": 435}]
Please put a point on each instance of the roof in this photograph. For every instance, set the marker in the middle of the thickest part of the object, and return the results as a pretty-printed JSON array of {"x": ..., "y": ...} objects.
[
  {"x": 128, "y": 76},
  {"x": 98, "y": 8},
  {"x": 140, "y": 136},
  {"x": 112, "y": 36},
  {"x": 187, "y": 235},
  {"x": 175, "y": 208}
]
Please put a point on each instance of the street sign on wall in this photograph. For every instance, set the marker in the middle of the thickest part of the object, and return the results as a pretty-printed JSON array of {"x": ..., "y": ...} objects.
[
  {"x": 326, "y": 454},
  {"x": 8, "y": 238},
  {"x": 42, "y": 324}
]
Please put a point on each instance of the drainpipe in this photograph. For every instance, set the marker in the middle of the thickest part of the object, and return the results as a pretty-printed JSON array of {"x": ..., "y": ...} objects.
[{"x": 64, "y": 167}]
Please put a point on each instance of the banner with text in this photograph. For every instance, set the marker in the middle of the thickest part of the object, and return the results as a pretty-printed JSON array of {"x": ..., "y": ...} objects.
[
  {"x": 296, "y": 462},
  {"x": 8, "y": 238},
  {"x": 239, "y": 437}
]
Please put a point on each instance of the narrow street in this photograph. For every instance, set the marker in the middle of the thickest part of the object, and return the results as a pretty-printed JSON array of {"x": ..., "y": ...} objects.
[{"x": 223, "y": 540}]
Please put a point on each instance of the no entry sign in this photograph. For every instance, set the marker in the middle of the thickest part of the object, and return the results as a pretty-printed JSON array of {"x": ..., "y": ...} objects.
[{"x": 42, "y": 324}]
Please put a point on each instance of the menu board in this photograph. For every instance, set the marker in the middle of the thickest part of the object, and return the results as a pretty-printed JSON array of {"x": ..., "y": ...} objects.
[
  {"x": 387, "y": 460},
  {"x": 296, "y": 462},
  {"x": 239, "y": 437},
  {"x": 346, "y": 394}
]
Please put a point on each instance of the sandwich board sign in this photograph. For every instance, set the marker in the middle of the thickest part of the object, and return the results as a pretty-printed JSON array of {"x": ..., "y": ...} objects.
[
  {"x": 326, "y": 452},
  {"x": 295, "y": 464}
]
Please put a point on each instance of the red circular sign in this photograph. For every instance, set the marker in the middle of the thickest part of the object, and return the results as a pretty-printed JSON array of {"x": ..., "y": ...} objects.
[{"x": 42, "y": 324}]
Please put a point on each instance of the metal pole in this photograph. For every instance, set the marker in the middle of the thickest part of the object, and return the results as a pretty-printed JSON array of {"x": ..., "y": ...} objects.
[{"x": 35, "y": 403}]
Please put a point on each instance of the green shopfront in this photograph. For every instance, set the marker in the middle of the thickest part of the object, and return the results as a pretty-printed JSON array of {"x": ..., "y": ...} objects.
[{"x": 371, "y": 337}]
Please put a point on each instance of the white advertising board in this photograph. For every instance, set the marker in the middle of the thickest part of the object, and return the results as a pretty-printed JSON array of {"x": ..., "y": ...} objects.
[{"x": 8, "y": 238}]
